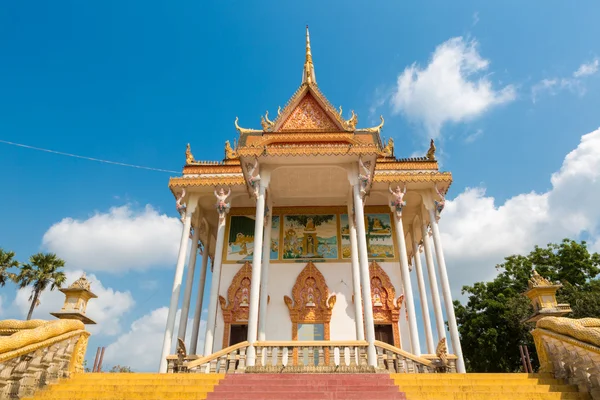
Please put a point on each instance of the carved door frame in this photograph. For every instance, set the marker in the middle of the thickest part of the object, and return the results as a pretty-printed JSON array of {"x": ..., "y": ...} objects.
[{"x": 233, "y": 312}]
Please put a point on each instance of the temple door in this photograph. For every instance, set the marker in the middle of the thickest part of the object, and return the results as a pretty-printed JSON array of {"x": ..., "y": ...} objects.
[
  {"x": 385, "y": 334},
  {"x": 239, "y": 333}
]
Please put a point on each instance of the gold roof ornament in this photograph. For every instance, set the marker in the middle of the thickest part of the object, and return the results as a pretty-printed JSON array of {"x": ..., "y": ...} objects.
[
  {"x": 431, "y": 152},
  {"x": 351, "y": 123},
  {"x": 375, "y": 128},
  {"x": 81, "y": 283},
  {"x": 244, "y": 130},
  {"x": 537, "y": 280},
  {"x": 230, "y": 153},
  {"x": 189, "y": 157},
  {"x": 309, "y": 70},
  {"x": 388, "y": 150}
]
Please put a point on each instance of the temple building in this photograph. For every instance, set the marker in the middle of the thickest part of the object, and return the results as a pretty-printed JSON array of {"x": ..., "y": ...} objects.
[{"x": 315, "y": 232}]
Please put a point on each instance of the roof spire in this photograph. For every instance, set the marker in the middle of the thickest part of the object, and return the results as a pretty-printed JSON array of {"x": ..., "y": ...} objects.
[{"x": 309, "y": 70}]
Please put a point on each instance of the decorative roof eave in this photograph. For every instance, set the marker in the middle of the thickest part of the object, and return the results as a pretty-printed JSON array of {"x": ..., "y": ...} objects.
[
  {"x": 312, "y": 150},
  {"x": 203, "y": 181},
  {"x": 212, "y": 169},
  {"x": 406, "y": 165},
  {"x": 311, "y": 137},
  {"x": 413, "y": 177}
]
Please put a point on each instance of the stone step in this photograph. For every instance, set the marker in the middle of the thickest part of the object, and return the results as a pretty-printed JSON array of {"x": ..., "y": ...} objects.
[
  {"x": 309, "y": 395},
  {"x": 489, "y": 388},
  {"x": 286, "y": 389},
  {"x": 474, "y": 376},
  {"x": 424, "y": 395},
  {"x": 475, "y": 382}
]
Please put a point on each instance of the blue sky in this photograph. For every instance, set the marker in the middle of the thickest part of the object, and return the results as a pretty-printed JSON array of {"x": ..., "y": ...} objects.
[{"x": 134, "y": 82}]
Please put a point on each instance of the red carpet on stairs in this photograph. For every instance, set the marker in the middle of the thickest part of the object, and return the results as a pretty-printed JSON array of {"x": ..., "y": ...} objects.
[{"x": 306, "y": 387}]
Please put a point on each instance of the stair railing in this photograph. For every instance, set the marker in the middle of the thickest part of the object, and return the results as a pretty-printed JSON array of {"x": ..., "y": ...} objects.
[
  {"x": 396, "y": 360},
  {"x": 311, "y": 357},
  {"x": 39, "y": 353},
  {"x": 231, "y": 359},
  {"x": 570, "y": 350}
]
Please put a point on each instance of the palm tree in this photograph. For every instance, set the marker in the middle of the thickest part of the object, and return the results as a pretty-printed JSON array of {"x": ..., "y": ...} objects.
[
  {"x": 41, "y": 271},
  {"x": 7, "y": 261}
]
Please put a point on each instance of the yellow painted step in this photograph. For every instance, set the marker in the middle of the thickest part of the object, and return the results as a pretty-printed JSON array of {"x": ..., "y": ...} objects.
[
  {"x": 488, "y": 388},
  {"x": 494, "y": 396}
]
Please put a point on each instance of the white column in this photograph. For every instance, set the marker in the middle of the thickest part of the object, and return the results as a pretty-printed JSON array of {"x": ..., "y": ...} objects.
[
  {"x": 454, "y": 336},
  {"x": 358, "y": 310},
  {"x": 264, "y": 274},
  {"x": 214, "y": 286},
  {"x": 189, "y": 282},
  {"x": 256, "y": 269},
  {"x": 200, "y": 298},
  {"x": 185, "y": 233},
  {"x": 422, "y": 293},
  {"x": 365, "y": 278},
  {"x": 408, "y": 294},
  {"x": 433, "y": 285}
]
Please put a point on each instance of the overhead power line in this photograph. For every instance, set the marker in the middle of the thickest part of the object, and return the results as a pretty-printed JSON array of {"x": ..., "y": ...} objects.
[{"x": 88, "y": 158}]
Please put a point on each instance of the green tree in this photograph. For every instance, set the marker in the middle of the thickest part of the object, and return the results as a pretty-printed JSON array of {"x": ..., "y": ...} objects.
[
  {"x": 120, "y": 369},
  {"x": 7, "y": 261},
  {"x": 43, "y": 270},
  {"x": 490, "y": 322}
]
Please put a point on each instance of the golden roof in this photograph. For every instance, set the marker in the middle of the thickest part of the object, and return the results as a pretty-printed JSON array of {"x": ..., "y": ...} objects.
[{"x": 309, "y": 125}]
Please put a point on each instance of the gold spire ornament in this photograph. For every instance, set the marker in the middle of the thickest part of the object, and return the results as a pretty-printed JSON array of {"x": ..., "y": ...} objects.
[
  {"x": 189, "y": 157},
  {"x": 229, "y": 151},
  {"x": 431, "y": 151},
  {"x": 375, "y": 128},
  {"x": 388, "y": 150},
  {"x": 244, "y": 130},
  {"x": 351, "y": 123},
  {"x": 309, "y": 69}
]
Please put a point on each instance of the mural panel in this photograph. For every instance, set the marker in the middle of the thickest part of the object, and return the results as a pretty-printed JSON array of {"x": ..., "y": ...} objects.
[
  {"x": 310, "y": 237},
  {"x": 240, "y": 245},
  {"x": 380, "y": 242}
]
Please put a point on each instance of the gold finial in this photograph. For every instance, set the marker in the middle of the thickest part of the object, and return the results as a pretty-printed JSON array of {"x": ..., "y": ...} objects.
[
  {"x": 229, "y": 151},
  {"x": 309, "y": 69},
  {"x": 375, "y": 128},
  {"x": 431, "y": 151},
  {"x": 388, "y": 150},
  {"x": 189, "y": 157},
  {"x": 244, "y": 130}
]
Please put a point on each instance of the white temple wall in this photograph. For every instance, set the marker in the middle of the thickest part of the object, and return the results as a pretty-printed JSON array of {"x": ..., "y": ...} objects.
[{"x": 282, "y": 277}]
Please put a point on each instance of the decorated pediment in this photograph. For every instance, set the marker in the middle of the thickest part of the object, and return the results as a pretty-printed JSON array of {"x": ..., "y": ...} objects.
[
  {"x": 308, "y": 115},
  {"x": 235, "y": 307},
  {"x": 310, "y": 301}
]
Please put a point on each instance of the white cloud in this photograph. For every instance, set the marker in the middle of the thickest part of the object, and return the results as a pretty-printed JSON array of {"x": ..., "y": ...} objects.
[
  {"x": 107, "y": 310},
  {"x": 450, "y": 89},
  {"x": 573, "y": 83},
  {"x": 140, "y": 347},
  {"x": 119, "y": 240},
  {"x": 586, "y": 69},
  {"x": 474, "y": 136},
  {"x": 478, "y": 234},
  {"x": 475, "y": 18}
]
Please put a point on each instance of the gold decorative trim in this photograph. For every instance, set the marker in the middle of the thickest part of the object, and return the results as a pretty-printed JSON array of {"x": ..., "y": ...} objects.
[
  {"x": 310, "y": 302},
  {"x": 212, "y": 169},
  {"x": 235, "y": 309},
  {"x": 414, "y": 177},
  {"x": 78, "y": 356},
  {"x": 297, "y": 150},
  {"x": 406, "y": 165},
  {"x": 383, "y": 294},
  {"x": 207, "y": 181}
]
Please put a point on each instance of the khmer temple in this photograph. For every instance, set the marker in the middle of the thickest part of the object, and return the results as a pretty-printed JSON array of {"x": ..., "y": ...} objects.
[
  {"x": 315, "y": 229},
  {"x": 315, "y": 232}
]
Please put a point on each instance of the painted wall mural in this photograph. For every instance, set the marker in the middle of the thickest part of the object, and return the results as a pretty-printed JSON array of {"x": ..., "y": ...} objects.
[
  {"x": 310, "y": 237},
  {"x": 297, "y": 237},
  {"x": 380, "y": 242},
  {"x": 240, "y": 245}
]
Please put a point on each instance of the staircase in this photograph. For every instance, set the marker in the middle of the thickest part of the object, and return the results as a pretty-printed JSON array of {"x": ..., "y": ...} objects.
[
  {"x": 137, "y": 386},
  {"x": 485, "y": 387},
  {"x": 306, "y": 387},
  {"x": 129, "y": 386}
]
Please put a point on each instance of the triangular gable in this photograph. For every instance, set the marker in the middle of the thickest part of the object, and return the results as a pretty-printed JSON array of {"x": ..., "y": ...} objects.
[
  {"x": 309, "y": 116},
  {"x": 308, "y": 110}
]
